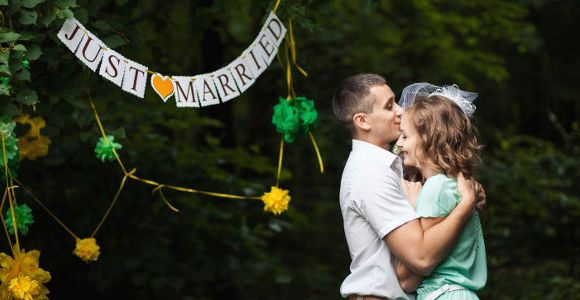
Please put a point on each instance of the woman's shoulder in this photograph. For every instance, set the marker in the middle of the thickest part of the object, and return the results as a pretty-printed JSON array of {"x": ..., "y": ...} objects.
[
  {"x": 440, "y": 182},
  {"x": 439, "y": 195}
]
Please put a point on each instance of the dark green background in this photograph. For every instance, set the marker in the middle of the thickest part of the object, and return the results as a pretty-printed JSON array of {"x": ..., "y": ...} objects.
[{"x": 520, "y": 56}]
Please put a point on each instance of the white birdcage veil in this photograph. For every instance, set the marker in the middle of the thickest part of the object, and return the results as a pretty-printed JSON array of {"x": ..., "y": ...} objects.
[{"x": 452, "y": 92}]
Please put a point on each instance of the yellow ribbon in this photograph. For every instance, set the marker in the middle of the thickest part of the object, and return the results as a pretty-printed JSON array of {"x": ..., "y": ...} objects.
[
  {"x": 293, "y": 48},
  {"x": 158, "y": 186},
  {"x": 290, "y": 51},
  {"x": 317, "y": 152},
  {"x": 276, "y": 6},
  {"x": 121, "y": 186},
  {"x": 280, "y": 156},
  {"x": 3, "y": 223},
  {"x": 10, "y": 192},
  {"x": 47, "y": 210}
]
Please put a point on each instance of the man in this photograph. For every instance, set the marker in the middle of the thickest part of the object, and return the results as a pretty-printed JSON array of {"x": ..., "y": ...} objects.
[{"x": 380, "y": 225}]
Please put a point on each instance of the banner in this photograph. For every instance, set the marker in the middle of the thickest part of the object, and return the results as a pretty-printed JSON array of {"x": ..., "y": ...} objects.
[{"x": 200, "y": 90}]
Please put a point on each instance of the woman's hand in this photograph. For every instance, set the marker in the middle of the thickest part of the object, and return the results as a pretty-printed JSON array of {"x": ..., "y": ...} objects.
[{"x": 411, "y": 190}]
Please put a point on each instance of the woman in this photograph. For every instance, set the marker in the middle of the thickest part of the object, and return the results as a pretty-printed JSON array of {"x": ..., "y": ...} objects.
[{"x": 439, "y": 140}]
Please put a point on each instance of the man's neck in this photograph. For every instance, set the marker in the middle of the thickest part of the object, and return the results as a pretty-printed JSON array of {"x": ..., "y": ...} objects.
[{"x": 372, "y": 141}]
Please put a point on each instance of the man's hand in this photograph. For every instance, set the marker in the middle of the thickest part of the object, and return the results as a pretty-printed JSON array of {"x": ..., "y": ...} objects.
[
  {"x": 411, "y": 190},
  {"x": 466, "y": 188}
]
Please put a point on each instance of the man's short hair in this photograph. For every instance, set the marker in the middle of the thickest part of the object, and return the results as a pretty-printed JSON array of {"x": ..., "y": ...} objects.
[{"x": 353, "y": 96}]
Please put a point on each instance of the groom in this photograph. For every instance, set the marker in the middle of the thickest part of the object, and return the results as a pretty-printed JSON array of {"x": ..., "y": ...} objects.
[{"x": 379, "y": 223}]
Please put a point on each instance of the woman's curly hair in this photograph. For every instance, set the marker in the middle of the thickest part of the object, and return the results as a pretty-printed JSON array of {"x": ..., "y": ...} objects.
[{"x": 447, "y": 138}]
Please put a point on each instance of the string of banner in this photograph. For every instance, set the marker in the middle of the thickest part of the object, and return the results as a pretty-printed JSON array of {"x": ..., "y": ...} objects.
[{"x": 292, "y": 116}]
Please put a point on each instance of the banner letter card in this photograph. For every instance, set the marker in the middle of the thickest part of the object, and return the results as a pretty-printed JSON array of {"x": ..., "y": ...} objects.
[{"x": 135, "y": 78}]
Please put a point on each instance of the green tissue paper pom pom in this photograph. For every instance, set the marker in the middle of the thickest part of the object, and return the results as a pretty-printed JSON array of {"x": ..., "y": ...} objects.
[
  {"x": 24, "y": 219},
  {"x": 308, "y": 113},
  {"x": 294, "y": 116},
  {"x": 286, "y": 119},
  {"x": 104, "y": 149},
  {"x": 25, "y": 63},
  {"x": 12, "y": 154}
]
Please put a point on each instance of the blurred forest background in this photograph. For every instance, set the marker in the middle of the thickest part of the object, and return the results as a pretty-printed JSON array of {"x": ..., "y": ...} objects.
[{"x": 520, "y": 56}]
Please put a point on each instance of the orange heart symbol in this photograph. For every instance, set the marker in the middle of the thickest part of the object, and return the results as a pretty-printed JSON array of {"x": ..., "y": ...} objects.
[{"x": 162, "y": 85}]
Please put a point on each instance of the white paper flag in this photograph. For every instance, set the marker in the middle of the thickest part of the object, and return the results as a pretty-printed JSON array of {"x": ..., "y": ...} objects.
[
  {"x": 225, "y": 84},
  {"x": 71, "y": 33},
  {"x": 255, "y": 60},
  {"x": 274, "y": 29},
  {"x": 185, "y": 94},
  {"x": 113, "y": 66},
  {"x": 135, "y": 79},
  {"x": 242, "y": 72},
  {"x": 206, "y": 90},
  {"x": 90, "y": 51},
  {"x": 264, "y": 48}
]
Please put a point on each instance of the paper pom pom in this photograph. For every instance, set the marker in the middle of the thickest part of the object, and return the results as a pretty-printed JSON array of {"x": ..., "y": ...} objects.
[
  {"x": 24, "y": 219},
  {"x": 33, "y": 144},
  {"x": 12, "y": 155},
  {"x": 276, "y": 201},
  {"x": 308, "y": 113},
  {"x": 25, "y": 63},
  {"x": 104, "y": 149},
  {"x": 24, "y": 287},
  {"x": 286, "y": 119},
  {"x": 21, "y": 276},
  {"x": 294, "y": 116},
  {"x": 87, "y": 249}
]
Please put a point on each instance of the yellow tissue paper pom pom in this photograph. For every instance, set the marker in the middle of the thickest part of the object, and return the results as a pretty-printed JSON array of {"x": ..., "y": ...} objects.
[
  {"x": 276, "y": 200},
  {"x": 21, "y": 276},
  {"x": 33, "y": 144},
  {"x": 24, "y": 287},
  {"x": 87, "y": 249}
]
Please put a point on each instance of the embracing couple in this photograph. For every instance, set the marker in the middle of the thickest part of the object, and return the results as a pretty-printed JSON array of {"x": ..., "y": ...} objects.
[{"x": 408, "y": 237}]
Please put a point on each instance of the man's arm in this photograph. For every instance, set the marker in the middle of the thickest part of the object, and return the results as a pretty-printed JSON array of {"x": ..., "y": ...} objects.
[
  {"x": 422, "y": 249},
  {"x": 409, "y": 280}
]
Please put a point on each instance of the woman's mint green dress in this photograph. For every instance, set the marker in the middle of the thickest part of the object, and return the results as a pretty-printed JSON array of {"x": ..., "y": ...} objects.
[{"x": 466, "y": 264}]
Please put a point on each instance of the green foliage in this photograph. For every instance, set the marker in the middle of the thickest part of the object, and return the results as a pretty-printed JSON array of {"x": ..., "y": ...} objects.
[
  {"x": 510, "y": 52},
  {"x": 533, "y": 223}
]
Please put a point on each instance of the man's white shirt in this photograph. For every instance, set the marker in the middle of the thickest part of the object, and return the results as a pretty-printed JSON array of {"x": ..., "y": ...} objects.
[{"x": 372, "y": 204}]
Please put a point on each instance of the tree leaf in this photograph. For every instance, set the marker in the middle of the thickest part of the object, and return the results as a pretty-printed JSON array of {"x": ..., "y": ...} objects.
[
  {"x": 27, "y": 96},
  {"x": 4, "y": 90},
  {"x": 5, "y": 70},
  {"x": 7, "y": 112},
  {"x": 19, "y": 47},
  {"x": 47, "y": 18},
  {"x": 65, "y": 14},
  {"x": 30, "y": 3},
  {"x": 4, "y": 56},
  {"x": 113, "y": 41},
  {"x": 22, "y": 74},
  {"x": 67, "y": 3},
  {"x": 8, "y": 37},
  {"x": 28, "y": 17},
  {"x": 33, "y": 52}
]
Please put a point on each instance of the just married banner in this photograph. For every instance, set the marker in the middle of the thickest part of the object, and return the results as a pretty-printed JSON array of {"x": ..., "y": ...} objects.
[{"x": 189, "y": 91}]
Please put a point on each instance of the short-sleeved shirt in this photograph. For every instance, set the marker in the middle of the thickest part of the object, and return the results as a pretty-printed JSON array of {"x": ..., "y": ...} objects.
[
  {"x": 466, "y": 264},
  {"x": 372, "y": 204}
]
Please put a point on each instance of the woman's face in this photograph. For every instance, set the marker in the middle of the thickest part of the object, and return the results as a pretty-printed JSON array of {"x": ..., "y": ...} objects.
[{"x": 408, "y": 142}]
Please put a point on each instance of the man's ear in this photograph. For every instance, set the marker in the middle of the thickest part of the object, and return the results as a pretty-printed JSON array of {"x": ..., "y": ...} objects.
[{"x": 360, "y": 121}]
